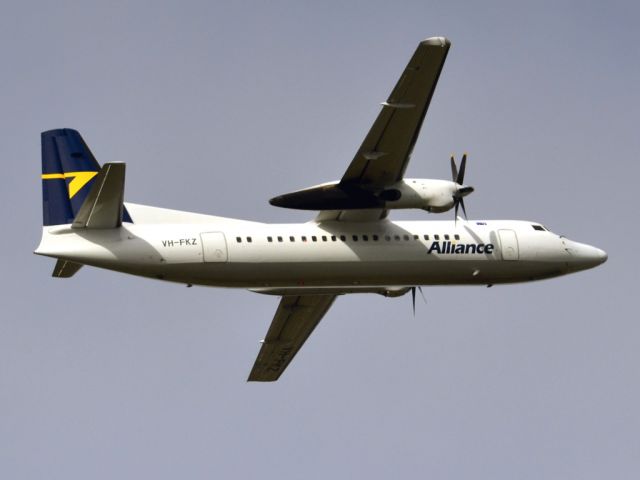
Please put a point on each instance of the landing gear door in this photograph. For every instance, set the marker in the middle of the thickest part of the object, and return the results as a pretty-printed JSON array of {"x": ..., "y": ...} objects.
[
  {"x": 508, "y": 244},
  {"x": 214, "y": 247}
]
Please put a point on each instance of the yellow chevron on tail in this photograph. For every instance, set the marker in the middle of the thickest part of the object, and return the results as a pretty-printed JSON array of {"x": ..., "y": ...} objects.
[{"x": 80, "y": 179}]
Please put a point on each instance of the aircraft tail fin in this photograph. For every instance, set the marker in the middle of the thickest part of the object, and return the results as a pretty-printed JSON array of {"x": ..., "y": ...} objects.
[{"x": 69, "y": 171}]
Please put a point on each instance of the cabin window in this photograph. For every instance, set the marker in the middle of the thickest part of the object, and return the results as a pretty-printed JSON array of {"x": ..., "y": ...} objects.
[
  {"x": 280, "y": 239},
  {"x": 249, "y": 240},
  {"x": 355, "y": 238},
  {"x": 333, "y": 238},
  {"x": 416, "y": 237},
  {"x": 343, "y": 238},
  {"x": 292, "y": 239},
  {"x": 324, "y": 238},
  {"x": 269, "y": 239},
  {"x": 239, "y": 239},
  {"x": 456, "y": 236},
  {"x": 406, "y": 237},
  {"x": 314, "y": 238},
  {"x": 426, "y": 237},
  {"x": 304, "y": 239},
  {"x": 396, "y": 238},
  {"x": 446, "y": 237},
  {"x": 387, "y": 238},
  {"x": 365, "y": 238},
  {"x": 437, "y": 237}
]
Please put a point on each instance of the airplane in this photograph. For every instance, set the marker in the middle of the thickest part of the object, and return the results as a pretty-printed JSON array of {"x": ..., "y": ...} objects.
[{"x": 351, "y": 246}]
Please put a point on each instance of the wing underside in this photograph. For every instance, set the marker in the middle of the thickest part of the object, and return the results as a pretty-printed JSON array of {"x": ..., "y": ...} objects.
[
  {"x": 382, "y": 159},
  {"x": 295, "y": 319}
]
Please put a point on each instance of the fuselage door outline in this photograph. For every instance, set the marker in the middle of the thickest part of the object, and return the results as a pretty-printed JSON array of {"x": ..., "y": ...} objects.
[
  {"x": 509, "y": 244},
  {"x": 214, "y": 247}
]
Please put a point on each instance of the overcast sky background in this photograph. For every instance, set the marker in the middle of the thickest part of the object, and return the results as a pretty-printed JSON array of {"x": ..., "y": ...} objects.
[{"x": 216, "y": 107}]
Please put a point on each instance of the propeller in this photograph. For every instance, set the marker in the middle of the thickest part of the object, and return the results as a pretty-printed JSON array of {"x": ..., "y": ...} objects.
[
  {"x": 413, "y": 298},
  {"x": 463, "y": 190}
]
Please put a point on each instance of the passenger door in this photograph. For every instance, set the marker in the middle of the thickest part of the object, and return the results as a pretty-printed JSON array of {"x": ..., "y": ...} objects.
[
  {"x": 214, "y": 247},
  {"x": 508, "y": 244}
]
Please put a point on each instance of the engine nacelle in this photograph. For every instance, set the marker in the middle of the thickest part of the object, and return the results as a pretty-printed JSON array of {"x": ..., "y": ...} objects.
[{"x": 427, "y": 194}]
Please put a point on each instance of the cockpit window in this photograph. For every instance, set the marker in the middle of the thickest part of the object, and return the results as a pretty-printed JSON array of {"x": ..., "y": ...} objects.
[{"x": 538, "y": 227}]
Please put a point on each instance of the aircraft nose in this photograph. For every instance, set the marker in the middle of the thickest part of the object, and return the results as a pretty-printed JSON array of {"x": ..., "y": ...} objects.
[
  {"x": 601, "y": 255},
  {"x": 585, "y": 256},
  {"x": 594, "y": 256}
]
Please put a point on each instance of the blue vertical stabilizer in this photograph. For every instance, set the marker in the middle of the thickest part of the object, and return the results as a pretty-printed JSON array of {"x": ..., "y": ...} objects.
[{"x": 68, "y": 171}]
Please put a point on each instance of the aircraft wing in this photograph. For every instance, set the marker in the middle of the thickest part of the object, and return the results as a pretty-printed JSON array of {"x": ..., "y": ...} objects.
[
  {"x": 385, "y": 152},
  {"x": 384, "y": 155},
  {"x": 295, "y": 319}
]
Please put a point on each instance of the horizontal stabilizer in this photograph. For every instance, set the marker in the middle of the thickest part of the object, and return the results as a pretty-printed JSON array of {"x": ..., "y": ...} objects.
[
  {"x": 103, "y": 206},
  {"x": 65, "y": 269}
]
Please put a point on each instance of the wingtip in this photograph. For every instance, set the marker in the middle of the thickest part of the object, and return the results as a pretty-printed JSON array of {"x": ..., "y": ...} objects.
[{"x": 436, "y": 41}]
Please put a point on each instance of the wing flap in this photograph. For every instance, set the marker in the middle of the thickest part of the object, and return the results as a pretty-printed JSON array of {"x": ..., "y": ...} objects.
[
  {"x": 363, "y": 215},
  {"x": 295, "y": 319}
]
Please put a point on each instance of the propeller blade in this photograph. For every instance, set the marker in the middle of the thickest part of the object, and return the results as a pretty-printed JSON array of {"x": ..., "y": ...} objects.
[
  {"x": 454, "y": 169},
  {"x": 423, "y": 297},
  {"x": 456, "y": 203},
  {"x": 413, "y": 300},
  {"x": 463, "y": 164},
  {"x": 461, "y": 189},
  {"x": 463, "y": 209}
]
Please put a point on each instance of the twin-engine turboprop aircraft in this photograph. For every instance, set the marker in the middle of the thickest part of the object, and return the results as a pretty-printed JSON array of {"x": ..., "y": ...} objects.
[{"x": 350, "y": 247}]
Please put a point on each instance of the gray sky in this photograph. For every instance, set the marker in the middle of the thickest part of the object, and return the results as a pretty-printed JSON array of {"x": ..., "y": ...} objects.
[{"x": 217, "y": 107}]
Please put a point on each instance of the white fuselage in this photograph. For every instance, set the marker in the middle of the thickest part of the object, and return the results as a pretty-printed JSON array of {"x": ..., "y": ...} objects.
[{"x": 365, "y": 256}]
